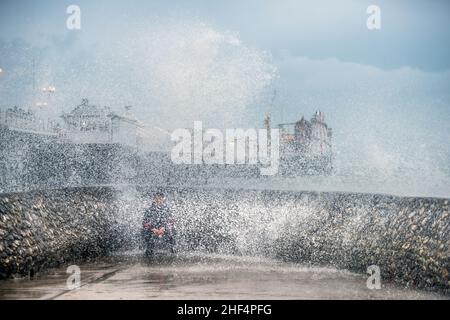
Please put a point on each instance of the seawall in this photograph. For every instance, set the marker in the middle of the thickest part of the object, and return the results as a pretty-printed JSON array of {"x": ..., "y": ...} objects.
[{"x": 408, "y": 238}]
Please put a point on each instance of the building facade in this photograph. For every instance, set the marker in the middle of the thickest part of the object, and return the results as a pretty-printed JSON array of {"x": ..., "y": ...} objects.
[
  {"x": 89, "y": 123},
  {"x": 19, "y": 119},
  {"x": 306, "y": 146}
]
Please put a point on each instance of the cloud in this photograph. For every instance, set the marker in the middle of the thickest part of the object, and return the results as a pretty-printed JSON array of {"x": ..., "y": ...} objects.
[
  {"x": 172, "y": 71},
  {"x": 385, "y": 122},
  {"x": 389, "y": 121}
]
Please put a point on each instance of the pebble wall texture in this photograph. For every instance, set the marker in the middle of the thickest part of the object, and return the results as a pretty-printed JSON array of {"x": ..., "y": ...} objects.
[
  {"x": 45, "y": 228},
  {"x": 408, "y": 238}
]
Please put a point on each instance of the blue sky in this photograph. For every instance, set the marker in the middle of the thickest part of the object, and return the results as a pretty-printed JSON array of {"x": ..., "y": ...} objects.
[
  {"x": 386, "y": 93},
  {"x": 414, "y": 33}
]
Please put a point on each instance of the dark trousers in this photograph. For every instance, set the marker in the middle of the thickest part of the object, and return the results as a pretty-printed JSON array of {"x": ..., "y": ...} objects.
[{"x": 150, "y": 239}]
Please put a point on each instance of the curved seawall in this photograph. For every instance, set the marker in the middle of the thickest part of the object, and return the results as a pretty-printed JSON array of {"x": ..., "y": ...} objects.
[
  {"x": 41, "y": 229},
  {"x": 408, "y": 238}
]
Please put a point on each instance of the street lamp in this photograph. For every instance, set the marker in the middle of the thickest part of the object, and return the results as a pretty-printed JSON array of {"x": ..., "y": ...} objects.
[{"x": 49, "y": 89}]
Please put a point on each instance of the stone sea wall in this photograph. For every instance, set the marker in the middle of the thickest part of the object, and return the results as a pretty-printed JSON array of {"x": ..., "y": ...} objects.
[
  {"x": 408, "y": 238},
  {"x": 40, "y": 229}
]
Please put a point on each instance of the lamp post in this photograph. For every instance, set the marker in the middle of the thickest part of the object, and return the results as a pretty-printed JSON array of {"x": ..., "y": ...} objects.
[
  {"x": 49, "y": 90},
  {"x": 1, "y": 115}
]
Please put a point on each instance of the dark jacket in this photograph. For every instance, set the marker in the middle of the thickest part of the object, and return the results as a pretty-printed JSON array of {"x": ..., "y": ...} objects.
[{"x": 158, "y": 217}]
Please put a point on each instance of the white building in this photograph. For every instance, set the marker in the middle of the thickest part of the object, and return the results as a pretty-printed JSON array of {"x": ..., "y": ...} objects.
[
  {"x": 126, "y": 129},
  {"x": 96, "y": 124},
  {"x": 19, "y": 119}
]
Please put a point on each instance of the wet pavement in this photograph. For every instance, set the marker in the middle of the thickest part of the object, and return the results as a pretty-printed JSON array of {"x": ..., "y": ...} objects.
[{"x": 202, "y": 276}]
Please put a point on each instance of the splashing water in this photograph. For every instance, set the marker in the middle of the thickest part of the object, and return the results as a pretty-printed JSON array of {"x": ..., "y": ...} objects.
[{"x": 174, "y": 72}]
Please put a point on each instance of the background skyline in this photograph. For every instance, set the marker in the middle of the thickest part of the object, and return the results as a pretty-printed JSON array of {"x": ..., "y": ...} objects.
[{"x": 386, "y": 93}]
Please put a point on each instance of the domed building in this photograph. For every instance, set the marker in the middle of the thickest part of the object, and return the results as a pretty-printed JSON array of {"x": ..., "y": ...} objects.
[{"x": 305, "y": 146}]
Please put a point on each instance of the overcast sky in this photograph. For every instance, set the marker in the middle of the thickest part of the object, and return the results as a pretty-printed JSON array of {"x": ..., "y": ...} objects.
[
  {"x": 220, "y": 61},
  {"x": 414, "y": 33}
]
